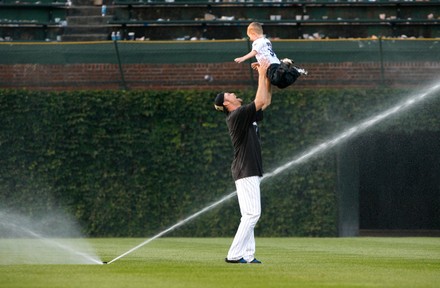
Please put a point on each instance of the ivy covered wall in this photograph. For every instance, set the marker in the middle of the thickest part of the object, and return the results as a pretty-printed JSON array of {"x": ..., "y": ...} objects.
[{"x": 134, "y": 163}]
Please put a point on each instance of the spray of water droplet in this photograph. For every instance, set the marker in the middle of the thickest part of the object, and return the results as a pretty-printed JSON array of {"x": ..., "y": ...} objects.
[{"x": 53, "y": 239}]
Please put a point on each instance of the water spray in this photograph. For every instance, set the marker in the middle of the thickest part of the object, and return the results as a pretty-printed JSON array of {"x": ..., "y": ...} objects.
[
  {"x": 178, "y": 224},
  {"x": 364, "y": 125},
  {"x": 81, "y": 256},
  {"x": 312, "y": 152}
]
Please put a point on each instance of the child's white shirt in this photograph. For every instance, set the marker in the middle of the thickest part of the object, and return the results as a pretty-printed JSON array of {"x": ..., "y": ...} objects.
[{"x": 263, "y": 46}]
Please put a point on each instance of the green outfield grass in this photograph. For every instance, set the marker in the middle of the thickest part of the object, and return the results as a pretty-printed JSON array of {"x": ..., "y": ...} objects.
[{"x": 287, "y": 262}]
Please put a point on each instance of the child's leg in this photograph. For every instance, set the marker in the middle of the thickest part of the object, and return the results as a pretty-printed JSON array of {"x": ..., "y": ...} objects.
[
  {"x": 289, "y": 74},
  {"x": 273, "y": 74}
]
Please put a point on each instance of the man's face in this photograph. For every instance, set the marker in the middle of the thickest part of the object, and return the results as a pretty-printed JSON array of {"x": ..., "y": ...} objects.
[{"x": 231, "y": 98}]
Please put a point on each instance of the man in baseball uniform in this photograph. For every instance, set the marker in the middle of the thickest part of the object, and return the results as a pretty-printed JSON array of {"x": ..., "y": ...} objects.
[{"x": 247, "y": 168}]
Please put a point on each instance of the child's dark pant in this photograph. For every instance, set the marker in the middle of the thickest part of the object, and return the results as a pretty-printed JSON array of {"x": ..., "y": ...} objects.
[{"x": 281, "y": 75}]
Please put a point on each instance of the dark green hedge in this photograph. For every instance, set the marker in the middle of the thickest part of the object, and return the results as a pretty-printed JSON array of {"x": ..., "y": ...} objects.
[{"x": 134, "y": 163}]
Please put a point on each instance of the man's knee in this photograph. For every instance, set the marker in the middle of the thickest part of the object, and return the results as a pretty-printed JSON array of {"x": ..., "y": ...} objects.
[{"x": 252, "y": 217}]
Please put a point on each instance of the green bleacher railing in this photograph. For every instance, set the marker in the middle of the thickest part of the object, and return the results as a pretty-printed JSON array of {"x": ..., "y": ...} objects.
[{"x": 299, "y": 2}]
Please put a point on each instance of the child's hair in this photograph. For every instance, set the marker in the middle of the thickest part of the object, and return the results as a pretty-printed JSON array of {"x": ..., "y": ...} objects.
[{"x": 255, "y": 27}]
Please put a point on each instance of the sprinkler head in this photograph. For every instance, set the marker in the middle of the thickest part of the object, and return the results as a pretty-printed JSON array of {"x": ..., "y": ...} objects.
[{"x": 104, "y": 262}]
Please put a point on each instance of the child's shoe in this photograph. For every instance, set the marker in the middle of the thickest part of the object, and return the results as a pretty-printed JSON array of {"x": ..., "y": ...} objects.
[
  {"x": 302, "y": 71},
  {"x": 287, "y": 61}
]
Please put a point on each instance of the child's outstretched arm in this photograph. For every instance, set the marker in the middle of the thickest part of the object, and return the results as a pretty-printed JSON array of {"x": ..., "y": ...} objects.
[{"x": 246, "y": 57}]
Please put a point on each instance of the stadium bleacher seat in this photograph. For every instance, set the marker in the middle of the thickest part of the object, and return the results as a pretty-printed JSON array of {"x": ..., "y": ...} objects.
[
  {"x": 217, "y": 19},
  {"x": 31, "y": 20},
  {"x": 179, "y": 19}
]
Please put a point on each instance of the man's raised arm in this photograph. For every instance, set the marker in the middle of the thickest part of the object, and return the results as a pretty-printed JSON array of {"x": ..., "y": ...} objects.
[{"x": 263, "y": 96}]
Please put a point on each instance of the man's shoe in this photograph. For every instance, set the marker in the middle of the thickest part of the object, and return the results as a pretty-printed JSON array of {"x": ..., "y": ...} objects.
[
  {"x": 255, "y": 261},
  {"x": 241, "y": 260}
]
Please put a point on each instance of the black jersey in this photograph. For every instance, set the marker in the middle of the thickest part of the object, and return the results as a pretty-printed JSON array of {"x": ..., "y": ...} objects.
[{"x": 243, "y": 129}]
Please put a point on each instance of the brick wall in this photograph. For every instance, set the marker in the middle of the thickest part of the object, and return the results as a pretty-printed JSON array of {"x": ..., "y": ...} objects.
[{"x": 229, "y": 75}]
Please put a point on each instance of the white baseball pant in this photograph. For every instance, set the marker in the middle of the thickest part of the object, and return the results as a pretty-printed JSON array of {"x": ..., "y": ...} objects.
[{"x": 248, "y": 193}]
